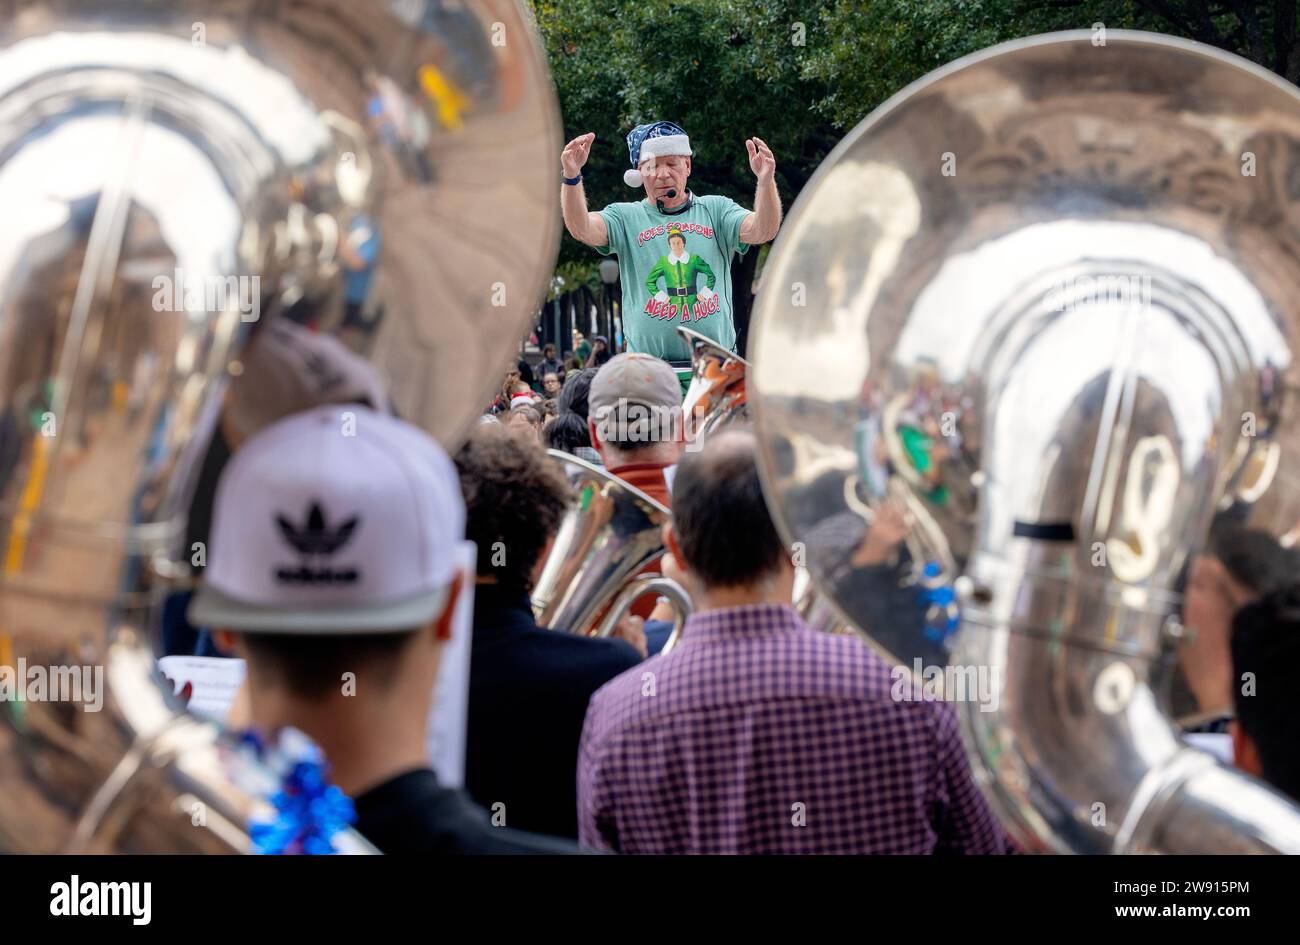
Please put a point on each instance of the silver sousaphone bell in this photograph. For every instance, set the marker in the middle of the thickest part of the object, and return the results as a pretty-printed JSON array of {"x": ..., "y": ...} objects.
[
  {"x": 1051, "y": 306},
  {"x": 592, "y": 575},
  {"x": 199, "y": 198}
]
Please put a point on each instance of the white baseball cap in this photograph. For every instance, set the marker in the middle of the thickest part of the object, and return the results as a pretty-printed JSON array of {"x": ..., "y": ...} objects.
[{"x": 335, "y": 520}]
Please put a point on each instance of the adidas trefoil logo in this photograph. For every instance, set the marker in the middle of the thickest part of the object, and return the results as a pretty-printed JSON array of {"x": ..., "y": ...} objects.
[{"x": 316, "y": 539}]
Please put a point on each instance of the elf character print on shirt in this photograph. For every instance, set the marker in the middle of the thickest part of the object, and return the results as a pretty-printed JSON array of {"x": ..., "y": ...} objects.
[{"x": 681, "y": 272}]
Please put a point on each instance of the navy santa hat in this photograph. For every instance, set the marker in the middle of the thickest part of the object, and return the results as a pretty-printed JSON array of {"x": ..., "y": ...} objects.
[{"x": 657, "y": 139}]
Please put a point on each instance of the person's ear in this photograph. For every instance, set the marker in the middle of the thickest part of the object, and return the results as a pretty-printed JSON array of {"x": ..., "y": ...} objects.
[
  {"x": 1244, "y": 753},
  {"x": 227, "y": 642},
  {"x": 591, "y": 432},
  {"x": 541, "y": 562},
  {"x": 442, "y": 625},
  {"x": 674, "y": 546},
  {"x": 1239, "y": 594},
  {"x": 786, "y": 562}
]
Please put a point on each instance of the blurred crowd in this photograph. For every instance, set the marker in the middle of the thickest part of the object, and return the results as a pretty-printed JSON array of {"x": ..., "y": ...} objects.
[
  {"x": 753, "y": 733},
  {"x": 548, "y": 402}
]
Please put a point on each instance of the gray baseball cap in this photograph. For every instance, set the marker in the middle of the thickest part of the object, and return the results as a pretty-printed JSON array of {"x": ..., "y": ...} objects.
[
  {"x": 635, "y": 397},
  {"x": 634, "y": 378}
]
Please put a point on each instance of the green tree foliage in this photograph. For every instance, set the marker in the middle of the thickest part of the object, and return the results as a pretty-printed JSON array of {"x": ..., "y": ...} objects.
[
  {"x": 865, "y": 52},
  {"x": 801, "y": 73},
  {"x": 1263, "y": 31}
]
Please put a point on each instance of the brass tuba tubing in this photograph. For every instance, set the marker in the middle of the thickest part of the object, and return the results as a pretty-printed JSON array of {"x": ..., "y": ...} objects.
[
  {"x": 606, "y": 538},
  {"x": 666, "y": 587}
]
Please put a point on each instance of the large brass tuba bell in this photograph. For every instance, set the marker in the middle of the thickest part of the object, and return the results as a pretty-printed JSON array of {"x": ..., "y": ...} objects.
[
  {"x": 1051, "y": 282},
  {"x": 218, "y": 213}
]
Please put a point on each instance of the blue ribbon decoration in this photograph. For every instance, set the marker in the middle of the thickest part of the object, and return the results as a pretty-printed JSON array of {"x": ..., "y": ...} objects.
[
  {"x": 309, "y": 811},
  {"x": 942, "y": 602}
]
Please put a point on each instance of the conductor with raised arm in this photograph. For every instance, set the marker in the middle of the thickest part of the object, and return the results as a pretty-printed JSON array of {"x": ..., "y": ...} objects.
[{"x": 674, "y": 247}]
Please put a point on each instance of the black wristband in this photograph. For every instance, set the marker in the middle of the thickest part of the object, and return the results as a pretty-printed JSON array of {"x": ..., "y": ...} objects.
[{"x": 571, "y": 181}]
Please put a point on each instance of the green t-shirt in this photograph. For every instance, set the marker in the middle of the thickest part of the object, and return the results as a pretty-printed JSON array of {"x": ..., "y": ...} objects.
[{"x": 666, "y": 285}]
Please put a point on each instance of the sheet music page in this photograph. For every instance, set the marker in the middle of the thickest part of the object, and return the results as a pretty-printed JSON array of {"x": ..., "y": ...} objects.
[{"x": 215, "y": 682}]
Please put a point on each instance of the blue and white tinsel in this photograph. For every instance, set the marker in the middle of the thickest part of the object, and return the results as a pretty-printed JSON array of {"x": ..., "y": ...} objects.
[
  {"x": 309, "y": 811},
  {"x": 942, "y": 616}
]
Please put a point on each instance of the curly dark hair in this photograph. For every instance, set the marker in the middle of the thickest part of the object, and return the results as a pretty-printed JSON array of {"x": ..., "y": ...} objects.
[{"x": 515, "y": 496}]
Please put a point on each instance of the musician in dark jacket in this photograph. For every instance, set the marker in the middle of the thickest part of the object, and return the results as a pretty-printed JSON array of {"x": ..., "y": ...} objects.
[
  {"x": 528, "y": 686},
  {"x": 381, "y": 508}
]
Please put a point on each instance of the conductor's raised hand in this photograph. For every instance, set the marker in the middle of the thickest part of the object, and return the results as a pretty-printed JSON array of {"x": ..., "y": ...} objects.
[
  {"x": 761, "y": 161},
  {"x": 575, "y": 153}
]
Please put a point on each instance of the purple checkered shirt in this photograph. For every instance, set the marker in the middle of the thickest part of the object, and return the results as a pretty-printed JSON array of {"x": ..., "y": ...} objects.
[{"x": 757, "y": 734}]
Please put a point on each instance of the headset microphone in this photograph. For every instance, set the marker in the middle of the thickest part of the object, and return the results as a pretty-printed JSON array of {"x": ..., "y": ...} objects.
[{"x": 659, "y": 203}]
